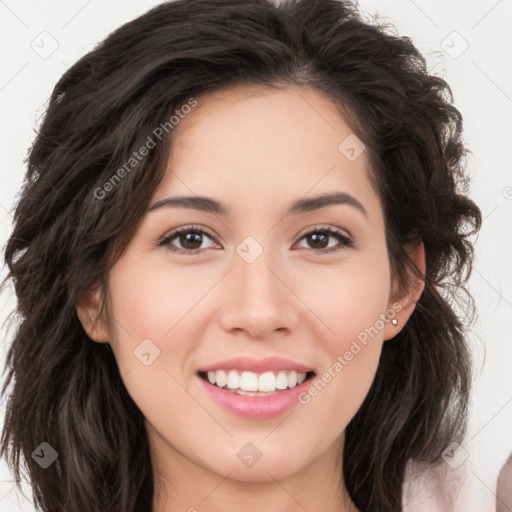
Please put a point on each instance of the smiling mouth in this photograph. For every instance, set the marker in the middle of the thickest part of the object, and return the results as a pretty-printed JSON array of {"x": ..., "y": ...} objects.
[{"x": 255, "y": 383}]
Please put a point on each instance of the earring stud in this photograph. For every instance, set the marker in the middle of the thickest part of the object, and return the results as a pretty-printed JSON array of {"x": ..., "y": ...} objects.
[{"x": 394, "y": 321}]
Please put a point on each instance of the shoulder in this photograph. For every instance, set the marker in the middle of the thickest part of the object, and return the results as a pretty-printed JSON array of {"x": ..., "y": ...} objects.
[{"x": 504, "y": 487}]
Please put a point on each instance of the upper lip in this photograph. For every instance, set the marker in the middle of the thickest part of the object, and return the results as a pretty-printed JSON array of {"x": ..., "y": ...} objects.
[{"x": 256, "y": 365}]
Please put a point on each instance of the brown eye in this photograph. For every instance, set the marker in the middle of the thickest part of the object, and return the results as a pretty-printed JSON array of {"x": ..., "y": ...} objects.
[
  {"x": 189, "y": 240},
  {"x": 318, "y": 240}
]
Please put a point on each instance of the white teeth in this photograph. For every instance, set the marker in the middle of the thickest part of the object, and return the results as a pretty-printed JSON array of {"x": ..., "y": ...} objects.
[
  {"x": 233, "y": 381},
  {"x": 221, "y": 378},
  {"x": 249, "y": 381},
  {"x": 282, "y": 380},
  {"x": 267, "y": 382}
]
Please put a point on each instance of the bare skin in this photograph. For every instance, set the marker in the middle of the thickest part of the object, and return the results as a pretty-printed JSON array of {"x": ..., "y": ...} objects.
[
  {"x": 257, "y": 151},
  {"x": 504, "y": 487}
]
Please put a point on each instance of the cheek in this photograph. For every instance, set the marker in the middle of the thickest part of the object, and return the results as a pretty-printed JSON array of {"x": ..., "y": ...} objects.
[
  {"x": 147, "y": 304},
  {"x": 349, "y": 301},
  {"x": 151, "y": 297}
]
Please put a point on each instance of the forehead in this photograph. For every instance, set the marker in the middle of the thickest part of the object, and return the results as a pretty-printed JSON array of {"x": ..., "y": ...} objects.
[{"x": 265, "y": 145}]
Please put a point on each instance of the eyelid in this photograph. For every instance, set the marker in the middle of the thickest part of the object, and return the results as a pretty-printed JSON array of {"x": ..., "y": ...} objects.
[
  {"x": 347, "y": 240},
  {"x": 333, "y": 229},
  {"x": 164, "y": 239}
]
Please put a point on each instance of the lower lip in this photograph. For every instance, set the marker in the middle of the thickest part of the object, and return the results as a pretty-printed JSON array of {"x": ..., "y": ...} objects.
[{"x": 260, "y": 407}]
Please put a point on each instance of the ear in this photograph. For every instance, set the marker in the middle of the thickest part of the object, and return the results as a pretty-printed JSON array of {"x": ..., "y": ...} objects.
[
  {"x": 88, "y": 308},
  {"x": 404, "y": 305}
]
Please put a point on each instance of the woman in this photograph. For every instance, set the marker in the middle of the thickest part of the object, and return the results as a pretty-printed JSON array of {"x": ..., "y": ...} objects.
[{"x": 192, "y": 340}]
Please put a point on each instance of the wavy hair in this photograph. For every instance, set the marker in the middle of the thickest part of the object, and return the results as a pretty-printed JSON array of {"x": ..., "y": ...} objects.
[{"x": 66, "y": 390}]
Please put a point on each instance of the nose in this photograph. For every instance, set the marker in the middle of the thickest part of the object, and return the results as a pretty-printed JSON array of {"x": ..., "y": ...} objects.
[{"x": 259, "y": 299}]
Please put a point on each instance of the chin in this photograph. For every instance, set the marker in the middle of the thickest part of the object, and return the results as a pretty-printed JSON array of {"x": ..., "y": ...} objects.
[
  {"x": 264, "y": 471},
  {"x": 252, "y": 464}
]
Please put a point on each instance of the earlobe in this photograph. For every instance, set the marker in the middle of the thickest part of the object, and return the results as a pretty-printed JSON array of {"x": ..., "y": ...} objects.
[
  {"x": 409, "y": 300},
  {"x": 88, "y": 308}
]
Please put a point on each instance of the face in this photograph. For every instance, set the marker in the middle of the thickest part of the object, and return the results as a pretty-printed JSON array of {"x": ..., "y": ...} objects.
[{"x": 260, "y": 295}]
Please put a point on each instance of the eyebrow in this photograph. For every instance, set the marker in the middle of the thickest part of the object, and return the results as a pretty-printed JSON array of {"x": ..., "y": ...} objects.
[{"x": 207, "y": 204}]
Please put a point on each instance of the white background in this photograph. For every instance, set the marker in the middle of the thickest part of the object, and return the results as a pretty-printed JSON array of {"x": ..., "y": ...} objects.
[{"x": 481, "y": 80}]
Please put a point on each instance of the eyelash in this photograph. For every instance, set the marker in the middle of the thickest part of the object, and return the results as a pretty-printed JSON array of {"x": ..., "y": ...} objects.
[{"x": 346, "y": 241}]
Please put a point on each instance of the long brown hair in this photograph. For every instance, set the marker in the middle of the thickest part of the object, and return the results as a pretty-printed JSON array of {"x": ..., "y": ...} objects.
[{"x": 66, "y": 390}]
